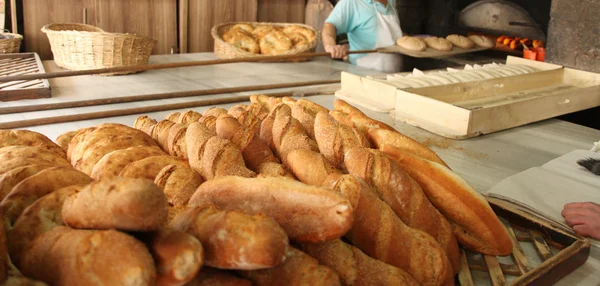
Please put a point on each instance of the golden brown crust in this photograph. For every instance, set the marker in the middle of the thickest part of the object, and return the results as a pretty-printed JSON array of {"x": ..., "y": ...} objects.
[
  {"x": 179, "y": 184},
  {"x": 38, "y": 185},
  {"x": 176, "y": 145},
  {"x": 234, "y": 240},
  {"x": 412, "y": 43},
  {"x": 394, "y": 138},
  {"x": 117, "y": 203},
  {"x": 178, "y": 256},
  {"x": 28, "y": 138},
  {"x": 289, "y": 135},
  {"x": 161, "y": 132},
  {"x": 335, "y": 140},
  {"x": 479, "y": 228},
  {"x": 9, "y": 165},
  {"x": 149, "y": 168},
  {"x": 310, "y": 167},
  {"x": 64, "y": 139},
  {"x": 305, "y": 112},
  {"x": 189, "y": 117},
  {"x": 145, "y": 124},
  {"x": 40, "y": 153},
  {"x": 215, "y": 277},
  {"x": 319, "y": 214},
  {"x": 173, "y": 116},
  {"x": 64, "y": 256},
  {"x": 10, "y": 179},
  {"x": 210, "y": 122},
  {"x": 214, "y": 112},
  {"x": 113, "y": 163},
  {"x": 4, "y": 258}
]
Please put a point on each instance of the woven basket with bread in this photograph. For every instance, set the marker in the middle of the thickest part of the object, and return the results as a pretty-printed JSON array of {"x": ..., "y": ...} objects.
[
  {"x": 250, "y": 39},
  {"x": 275, "y": 192}
]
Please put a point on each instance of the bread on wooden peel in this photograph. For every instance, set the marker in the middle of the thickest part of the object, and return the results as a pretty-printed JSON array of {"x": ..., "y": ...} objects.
[
  {"x": 178, "y": 256},
  {"x": 65, "y": 256},
  {"x": 439, "y": 44},
  {"x": 335, "y": 140},
  {"x": 215, "y": 277},
  {"x": 233, "y": 239},
  {"x": 113, "y": 163},
  {"x": 117, "y": 203},
  {"x": 405, "y": 197},
  {"x": 38, "y": 185},
  {"x": 319, "y": 214},
  {"x": 148, "y": 168},
  {"x": 41, "y": 216},
  {"x": 305, "y": 112},
  {"x": 460, "y": 41},
  {"x": 297, "y": 269},
  {"x": 380, "y": 137},
  {"x": 475, "y": 224},
  {"x": 179, "y": 184},
  {"x": 354, "y": 267},
  {"x": 28, "y": 138},
  {"x": 412, "y": 43}
]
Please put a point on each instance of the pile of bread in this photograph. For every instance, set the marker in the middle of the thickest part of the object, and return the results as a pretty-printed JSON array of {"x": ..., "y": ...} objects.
[
  {"x": 268, "y": 39},
  {"x": 276, "y": 192},
  {"x": 420, "y": 44}
]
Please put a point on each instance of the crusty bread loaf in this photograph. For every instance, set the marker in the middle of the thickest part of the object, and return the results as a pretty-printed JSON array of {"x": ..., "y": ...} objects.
[
  {"x": 113, "y": 163},
  {"x": 11, "y": 178},
  {"x": 64, "y": 256},
  {"x": 28, "y": 138},
  {"x": 161, "y": 132},
  {"x": 64, "y": 139},
  {"x": 215, "y": 277},
  {"x": 305, "y": 112},
  {"x": 237, "y": 110},
  {"x": 257, "y": 110},
  {"x": 404, "y": 195},
  {"x": 95, "y": 152},
  {"x": 173, "y": 116},
  {"x": 335, "y": 140},
  {"x": 189, "y": 117},
  {"x": 41, "y": 216},
  {"x": 380, "y": 137},
  {"x": 119, "y": 203},
  {"x": 209, "y": 121},
  {"x": 310, "y": 167},
  {"x": 38, "y": 185},
  {"x": 411, "y": 43},
  {"x": 319, "y": 214},
  {"x": 148, "y": 168},
  {"x": 298, "y": 269},
  {"x": 381, "y": 234},
  {"x": 288, "y": 101},
  {"x": 41, "y": 153},
  {"x": 439, "y": 44},
  {"x": 460, "y": 41},
  {"x": 289, "y": 135},
  {"x": 145, "y": 124},
  {"x": 176, "y": 145},
  {"x": 354, "y": 267},
  {"x": 178, "y": 256},
  {"x": 179, "y": 184},
  {"x": 358, "y": 119},
  {"x": 475, "y": 224},
  {"x": 214, "y": 112},
  {"x": 9, "y": 165},
  {"x": 234, "y": 240}
]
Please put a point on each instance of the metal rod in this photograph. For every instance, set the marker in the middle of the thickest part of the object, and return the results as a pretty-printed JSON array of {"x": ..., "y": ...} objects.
[
  {"x": 144, "y": 97},
  {"x": 169, "y": 65}
]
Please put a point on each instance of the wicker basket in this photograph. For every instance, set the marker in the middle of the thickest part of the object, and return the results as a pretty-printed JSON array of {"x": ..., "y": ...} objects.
[
  {"x": 10, "y": 43},
  {"x": 83, "y": 47},
  {"x": 224, "y": 50}
]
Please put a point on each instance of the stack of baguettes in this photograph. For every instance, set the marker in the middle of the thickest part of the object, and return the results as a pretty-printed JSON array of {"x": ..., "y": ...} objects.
[{"x": 277, "y": 192}]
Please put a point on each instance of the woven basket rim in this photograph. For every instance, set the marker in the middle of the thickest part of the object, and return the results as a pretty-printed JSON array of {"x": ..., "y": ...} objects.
[
  {"x": 16, "y": 37},
  {"x": 47, "y": 30},
  {"x": 218, "y": 40}
]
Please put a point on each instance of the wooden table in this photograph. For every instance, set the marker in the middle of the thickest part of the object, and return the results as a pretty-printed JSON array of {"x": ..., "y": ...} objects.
[{"x": 481, "y": 161}]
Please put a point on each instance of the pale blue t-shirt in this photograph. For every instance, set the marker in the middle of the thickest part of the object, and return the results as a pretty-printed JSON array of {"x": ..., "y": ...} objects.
[{"x": 357, "y": 18}]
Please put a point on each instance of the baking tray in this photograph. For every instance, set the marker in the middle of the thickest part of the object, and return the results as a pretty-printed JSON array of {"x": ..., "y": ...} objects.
[
  {"x": 22, "y": 64},
  {"x": 557, "y": 252},
  {"x": 429, "y": 52}
]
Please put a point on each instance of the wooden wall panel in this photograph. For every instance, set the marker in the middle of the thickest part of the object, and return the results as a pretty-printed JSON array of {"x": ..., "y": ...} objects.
[
  {"x": 205, "y": 14},
  {"x": 152, "y": 18},
  {"x": 281, "y": 11}
]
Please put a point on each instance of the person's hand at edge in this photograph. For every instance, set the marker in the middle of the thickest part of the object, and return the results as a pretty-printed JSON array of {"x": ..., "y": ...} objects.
[
  {"x": 337, "y": 51},
  {"x": 584, "y": 217}
]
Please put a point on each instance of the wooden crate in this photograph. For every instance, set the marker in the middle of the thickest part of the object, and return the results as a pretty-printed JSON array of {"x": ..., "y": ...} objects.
[
  {"x": 558, "y": 252},
  {"x": 466, "y": 110},
  {"x": 22, "y": 64}
]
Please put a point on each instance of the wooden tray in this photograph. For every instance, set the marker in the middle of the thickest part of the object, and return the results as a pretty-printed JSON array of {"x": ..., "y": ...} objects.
[
  {"x": 558, "y": 252},
  {"x": 21, "y": 64},
  {"x": 429, "y": 52},
  {"x": 470, "y": 109}
]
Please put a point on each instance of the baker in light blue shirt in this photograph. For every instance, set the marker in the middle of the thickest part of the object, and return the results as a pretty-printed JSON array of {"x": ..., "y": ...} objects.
[{"x": 369, "y": 24}]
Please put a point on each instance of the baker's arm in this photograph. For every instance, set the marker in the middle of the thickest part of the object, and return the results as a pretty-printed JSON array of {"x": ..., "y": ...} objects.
[{"x": 329, "y": 42}]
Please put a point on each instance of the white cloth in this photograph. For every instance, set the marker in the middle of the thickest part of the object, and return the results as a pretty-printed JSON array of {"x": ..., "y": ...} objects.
[
  {"x": 596, "y": 147},
  {"x": 388, "y": 30}
]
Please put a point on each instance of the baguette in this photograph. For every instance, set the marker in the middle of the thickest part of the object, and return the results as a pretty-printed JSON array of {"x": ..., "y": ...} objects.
[
  {"x": 377, "y": 229},
  {"x": 404, "y": 195},
  {"x": 305, "y": 112},
  {"x": 335, "y": 140},
  {"x": 310, "y": 167},
  {"x": 145, "y": 124},
  {"x": 188, "y": 117},
  {"x": 119, "y": 203},
  {"x": 380, "y": 137},
  {"x": 161, "y": 132},
  {"x": 13, "y": 177},
  {"x": 149, "y": 168},
  {"x": 237, "y": 110},
  {"x": 41, "y": 216},
  {"x": 475, "y": 224},
  {"x": 215, "y": 277},
  {"x": 319, "y": 214},
  {"x": 250, "y": 121},
  {"x": 266, "y": 126},
  {"x": 176, "y": 145},
  {"x": 354, "y": 267},
  {"x": 289, "y": 135},
  {"x": 113, "y": 163},
  {"x": 234, "y": 240},
  {"x": 178, "y": 256},
  {"x": 298, "y": 269},
  {"x": 358, "y": 119},
  {"x": 209, "y": 121},
  {"x": 173, "y": 116},
  {"x": 64, "y": 256},
  {"x": 179, "y": 184},
  {"x": 28, "y": 138},
  {"x": 257, "y": 110},
  {"x": 38, "y": 185},
  {"x": 214, "y": 112},
  {"x": 288, "y": 101}
]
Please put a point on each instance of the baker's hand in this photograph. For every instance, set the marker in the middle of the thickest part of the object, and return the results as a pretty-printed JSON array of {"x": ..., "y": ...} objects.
[
  {"x": 584, "y": 218},
  {"x": 336, "y": 51}
]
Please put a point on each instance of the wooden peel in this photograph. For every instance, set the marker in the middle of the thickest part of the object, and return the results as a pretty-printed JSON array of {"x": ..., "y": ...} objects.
[{"x": 169, "y": 65}]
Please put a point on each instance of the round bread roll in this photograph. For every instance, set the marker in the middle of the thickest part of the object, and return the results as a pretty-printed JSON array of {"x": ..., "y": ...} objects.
[
  {"x": 412, "y": 43},
  {"x": 482, "y": 41},
  {"x": 439, "y": 44},
  {"x": 460, "y": 41}
]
